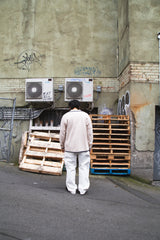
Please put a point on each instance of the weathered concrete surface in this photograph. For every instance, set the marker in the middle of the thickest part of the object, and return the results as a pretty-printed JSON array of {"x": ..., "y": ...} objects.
[
  {"x": 60, "y": 36},
  {"x": 37, "y": 207},
  {"x": 123, "y": 34},
  {"x": 140, "y": 81},
  {"x": 144, "y": 24},
  {"x": 138, "y": 25}
]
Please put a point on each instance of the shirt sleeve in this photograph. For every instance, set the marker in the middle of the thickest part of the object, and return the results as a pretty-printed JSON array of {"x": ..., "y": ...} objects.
[
  {"x": 62, "y": 133},
  {"x": 89, "y": 132}
]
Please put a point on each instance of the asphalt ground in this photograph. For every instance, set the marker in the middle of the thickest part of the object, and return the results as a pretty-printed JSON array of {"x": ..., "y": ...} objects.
[{"x": 38, "y": 207}]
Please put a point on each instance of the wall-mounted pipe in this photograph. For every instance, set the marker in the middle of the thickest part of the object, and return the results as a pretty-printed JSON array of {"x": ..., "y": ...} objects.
[{"x": 158, "y": 36}]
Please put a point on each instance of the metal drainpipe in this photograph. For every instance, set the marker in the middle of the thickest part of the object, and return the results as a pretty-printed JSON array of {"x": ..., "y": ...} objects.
[{"x": 158, "y": 35}]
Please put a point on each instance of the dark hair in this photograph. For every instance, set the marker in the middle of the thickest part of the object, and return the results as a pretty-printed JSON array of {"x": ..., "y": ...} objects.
[{"x": 74, "y": 104}]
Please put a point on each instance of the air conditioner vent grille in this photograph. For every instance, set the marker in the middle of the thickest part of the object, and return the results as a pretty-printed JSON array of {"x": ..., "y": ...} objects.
[
  {"x": 34, "y": 90},
  {"x": 74, "y": 90}
]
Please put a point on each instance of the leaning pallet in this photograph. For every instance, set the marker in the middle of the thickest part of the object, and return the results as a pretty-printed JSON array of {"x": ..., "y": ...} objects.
[
  {"x": 111, "y": 151},
  {"x": 43, "y": 154}
]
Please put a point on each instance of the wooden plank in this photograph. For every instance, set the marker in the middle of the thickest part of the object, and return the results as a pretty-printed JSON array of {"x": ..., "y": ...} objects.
[
  {"x": 111, "y": 135},
  {"x": 44, "y": 144},
  {"x": 99, "y": 124},
  {"x": 100, "y": 129},
  {"x": 113, "y": 157},
  {"x": 23, "y": 145},
  {"x": 45, "y": 135},
  {"x": 46, "y": 150},
  {"x": 102, "y": 134},
  {"x": 120, "y": 164},
  {"x": 41, "y": 169},
  {"x": 44, "y": 128},
  {"x": 109, "y": 148},
  {"x": 41, "y": 150},
  {"x": 46, "y": 163},
  {"x": 100, "y": 163},
  {"x": 117, "y": 117},
  {"x": 52, "y": 155},
  {"x": 105, "y": 153},
  {"x": 110, "y": 144}
]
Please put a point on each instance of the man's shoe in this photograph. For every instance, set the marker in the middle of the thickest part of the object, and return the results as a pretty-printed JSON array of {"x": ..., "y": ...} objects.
[
  {"x": 72, "y": 192},
  {"x": 83, "y": 192}
]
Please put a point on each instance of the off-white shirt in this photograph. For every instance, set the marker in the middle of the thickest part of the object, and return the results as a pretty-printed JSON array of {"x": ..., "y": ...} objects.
[{"x": 76, "y": 131}]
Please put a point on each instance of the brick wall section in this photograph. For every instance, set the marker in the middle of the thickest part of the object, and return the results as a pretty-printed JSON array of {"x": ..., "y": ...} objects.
[
  {"x": 124, "y": 77},
  {"x": 107, "y": 84},
  {"x": 18, "y": 85},
  {"x": 142, "y": 72},
  {"x": 139, "y": 72}
]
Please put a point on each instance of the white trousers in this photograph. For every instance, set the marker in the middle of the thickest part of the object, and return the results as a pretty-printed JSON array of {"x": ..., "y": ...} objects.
[{"x": 70, "y": 160}]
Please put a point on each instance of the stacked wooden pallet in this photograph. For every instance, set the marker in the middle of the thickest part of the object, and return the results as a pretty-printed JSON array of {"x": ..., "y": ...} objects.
[
  {"x": 42, "y": 154},
  {"x": 111, "y": 151}
]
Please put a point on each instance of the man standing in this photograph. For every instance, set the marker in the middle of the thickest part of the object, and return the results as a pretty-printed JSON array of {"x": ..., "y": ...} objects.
[{"x": 76, "y": 139}]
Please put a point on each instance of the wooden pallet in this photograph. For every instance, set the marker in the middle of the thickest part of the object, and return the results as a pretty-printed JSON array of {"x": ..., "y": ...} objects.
[
  {"x": 111, "y": 142},
  {"x": 42, "y": 154}
]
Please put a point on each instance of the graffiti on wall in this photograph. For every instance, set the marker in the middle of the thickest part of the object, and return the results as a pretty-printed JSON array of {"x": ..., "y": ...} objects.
[
  {"x": 87, "y": 71},
  {"x": 27, "y": 58},
  {"x": 124, "y": 104}
]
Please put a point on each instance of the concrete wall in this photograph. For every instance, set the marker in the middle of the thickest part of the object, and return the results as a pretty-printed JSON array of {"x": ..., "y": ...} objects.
[
  {"x": 138, "y": 25},
  {"x": 123, "y": 35},
  {"x": 58, "y": 38},
  {"x": 144, "y": 24}
]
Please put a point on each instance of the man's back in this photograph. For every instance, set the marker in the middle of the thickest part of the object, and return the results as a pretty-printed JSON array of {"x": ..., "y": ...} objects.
[{"x": 76, "y": 131}]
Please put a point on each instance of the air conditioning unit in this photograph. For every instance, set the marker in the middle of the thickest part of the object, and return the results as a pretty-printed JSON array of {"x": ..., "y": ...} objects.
[
  {"x": 79, "y": 88},
  {"x": 39, "y": 90}
]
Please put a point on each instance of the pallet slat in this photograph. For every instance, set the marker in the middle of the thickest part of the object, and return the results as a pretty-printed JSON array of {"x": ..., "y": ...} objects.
[
  {"x": 53, "y": 155},
  {"x": 44, "y": 144},
  {"x": 41, "y": 169},
  {"x": 45, "y": 163}
]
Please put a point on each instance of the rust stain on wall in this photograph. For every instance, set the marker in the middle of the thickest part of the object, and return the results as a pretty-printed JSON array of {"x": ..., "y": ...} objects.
[
  {"x": 150, "y": 87},
  {"x": 137, "y": 108}
]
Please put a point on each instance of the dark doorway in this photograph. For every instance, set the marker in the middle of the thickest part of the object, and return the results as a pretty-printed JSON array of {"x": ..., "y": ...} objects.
[{"x": 156, "y": 169}]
